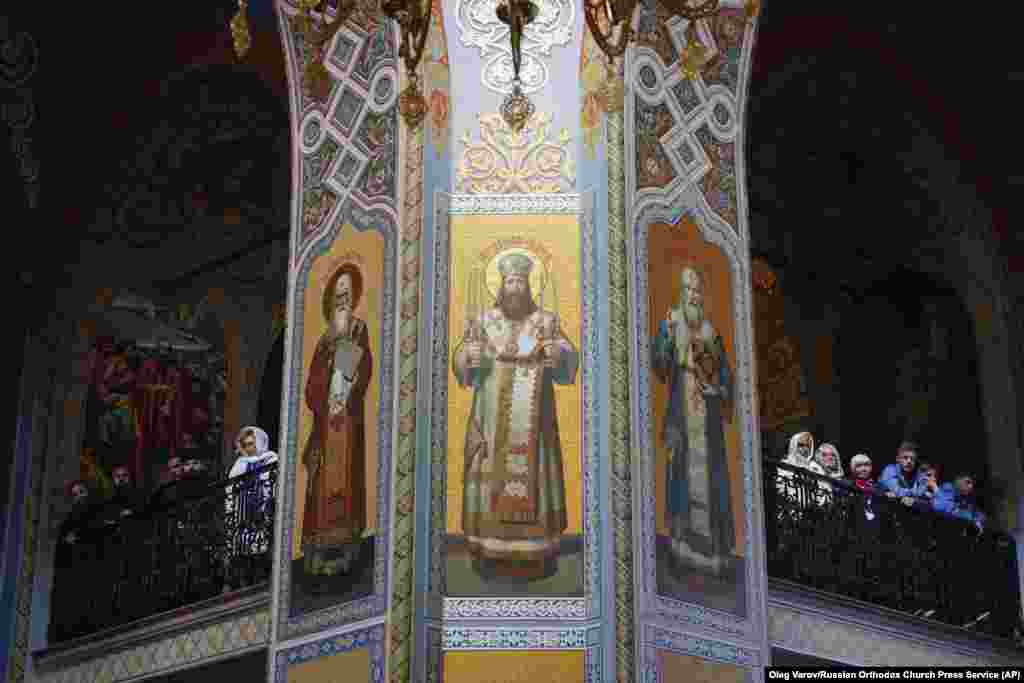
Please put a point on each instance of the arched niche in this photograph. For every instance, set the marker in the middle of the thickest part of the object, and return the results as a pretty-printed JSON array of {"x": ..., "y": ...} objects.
[
  {"x": 784, "y": 406},
  {"x": 841, "y": 198}
]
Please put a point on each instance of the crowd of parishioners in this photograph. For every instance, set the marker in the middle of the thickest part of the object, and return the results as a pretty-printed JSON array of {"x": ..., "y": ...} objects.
[
  {"x": 92, "y": 522},
  {"x": 181, "y": 479},
  {"x": 910, "y": 481}
]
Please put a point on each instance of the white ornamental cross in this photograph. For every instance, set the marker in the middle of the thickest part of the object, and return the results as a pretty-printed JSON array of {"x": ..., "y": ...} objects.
[{"x": 480, "y": 27}]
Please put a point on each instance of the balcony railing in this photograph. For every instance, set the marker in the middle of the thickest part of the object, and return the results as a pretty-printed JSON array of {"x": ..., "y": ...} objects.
[
  {"x": 827, "y": 535},
  {"x": 195, "y": 540}
]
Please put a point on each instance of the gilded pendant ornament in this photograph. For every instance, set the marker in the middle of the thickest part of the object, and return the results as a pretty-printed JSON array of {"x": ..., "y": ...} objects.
[
  {"x": 508, "y": 161},
  {"x": 413, "y": 17},
  {"x": 516, "y": 14},
  {"x": 516, "y": 109},
  {"x": 412, "y": 105},
  {"x": 694, "y": 56},
  {"x": 240, "y": 30}
]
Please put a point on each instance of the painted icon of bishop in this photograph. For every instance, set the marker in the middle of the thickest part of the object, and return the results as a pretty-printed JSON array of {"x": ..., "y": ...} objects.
[
  {"x": 689, "y": 356},
  {"x": 514, "y": 500}
]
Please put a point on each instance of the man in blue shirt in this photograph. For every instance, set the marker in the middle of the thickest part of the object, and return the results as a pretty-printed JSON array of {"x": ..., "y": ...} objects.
[
  {"x": 899, "y": 479},
  {"x": 956, "y": 499}
]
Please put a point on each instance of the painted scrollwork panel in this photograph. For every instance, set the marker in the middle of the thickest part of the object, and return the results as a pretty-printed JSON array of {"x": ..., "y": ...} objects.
[{"x": 504, "y": 161}]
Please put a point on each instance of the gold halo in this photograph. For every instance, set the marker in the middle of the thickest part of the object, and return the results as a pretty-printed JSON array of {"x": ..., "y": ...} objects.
[{"x": 538, "y": 276}]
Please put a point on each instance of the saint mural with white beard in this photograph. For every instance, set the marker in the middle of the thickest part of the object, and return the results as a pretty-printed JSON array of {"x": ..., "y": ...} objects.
[
  {"x": 514, "y": 501},
  {"x": 689, "y": 356},
  {"x": 335, "y": 455}
]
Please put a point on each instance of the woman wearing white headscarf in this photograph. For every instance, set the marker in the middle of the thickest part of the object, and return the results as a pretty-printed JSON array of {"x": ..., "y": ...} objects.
[
  {"x": 253, "y": 449},
  {"x": 801, "y": 448},
  {"x": 827, "y": 458}
]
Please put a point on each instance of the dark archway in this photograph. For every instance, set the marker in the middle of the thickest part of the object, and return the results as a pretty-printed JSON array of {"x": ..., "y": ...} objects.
[
  {"x": 856, "y": 170},
  {"x": 269, "y": 413},
  {"x": 907, "y": 360}
]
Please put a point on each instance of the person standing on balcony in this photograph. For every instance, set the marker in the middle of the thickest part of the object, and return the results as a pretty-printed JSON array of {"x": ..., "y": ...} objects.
[
  {"x": 75, "y": 558},
  {"x": 125, "y": 499},
  {"x": 127, "y": 566},
  {"x": 984, "y": 593},
  {"x": 801, "y": 449},
  {"x": 927, "y": 485},
  {"x": 247, "y": 502},
  {"x": 827, "y": 458},
  {"x": 957, "y": 499},
  {"x": 860, "y": 472},
  {"x": 899, "y": 480}
]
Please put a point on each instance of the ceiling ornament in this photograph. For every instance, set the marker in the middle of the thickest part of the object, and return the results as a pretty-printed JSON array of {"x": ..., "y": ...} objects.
[
  {"x": 508, "y": 162},
  {"x": 695, "y": 55},
  {"x": 480, "y": 27}
]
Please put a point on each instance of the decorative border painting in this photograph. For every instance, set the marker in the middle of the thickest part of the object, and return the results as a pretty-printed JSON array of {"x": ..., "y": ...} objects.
[{"x": 370, "y": 639}]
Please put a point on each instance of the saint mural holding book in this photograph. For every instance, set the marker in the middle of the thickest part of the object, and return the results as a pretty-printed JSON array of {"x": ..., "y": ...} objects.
[{"x": 335, "y": 455}]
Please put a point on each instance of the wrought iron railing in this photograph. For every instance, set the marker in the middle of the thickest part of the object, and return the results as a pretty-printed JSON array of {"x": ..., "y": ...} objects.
[
  {"x": 193, "y": 541},
  {"x": 828, "y": 535}
]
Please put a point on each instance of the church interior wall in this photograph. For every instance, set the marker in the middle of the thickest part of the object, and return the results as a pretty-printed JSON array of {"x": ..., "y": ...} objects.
[{"x": 356, "y": 170}]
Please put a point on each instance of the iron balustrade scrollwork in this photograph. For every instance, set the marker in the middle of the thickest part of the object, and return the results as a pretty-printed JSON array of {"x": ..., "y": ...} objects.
[
  {"x": 828, "y": 535},
  {"x": 194, "y": 540}
]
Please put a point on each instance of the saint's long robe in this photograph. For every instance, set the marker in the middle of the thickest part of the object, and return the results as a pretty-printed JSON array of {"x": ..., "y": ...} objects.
[
  {"x": 514, "y": 504},
  {"x": 335, "y": 455},
  {"x": 699, "y": 504}
]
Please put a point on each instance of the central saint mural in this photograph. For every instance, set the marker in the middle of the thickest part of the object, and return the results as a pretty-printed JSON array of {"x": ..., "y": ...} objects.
[{"x": 515, "y": 446}]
